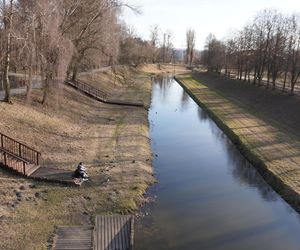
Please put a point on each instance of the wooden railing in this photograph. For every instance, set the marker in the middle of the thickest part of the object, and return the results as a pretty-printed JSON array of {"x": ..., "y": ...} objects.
[
  {"x": 88, "y": 89},
  {"x": 19, "y": 150},
  {"x": 13, "y": 162}
]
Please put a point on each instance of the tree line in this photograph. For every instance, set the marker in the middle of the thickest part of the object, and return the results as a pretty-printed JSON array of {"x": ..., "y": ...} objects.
[
  {"x": 266, "y": 50},
  {"x": 56, "y": 39}
]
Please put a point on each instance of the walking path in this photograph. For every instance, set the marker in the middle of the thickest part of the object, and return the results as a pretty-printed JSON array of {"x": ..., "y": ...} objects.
[{"x": 20, "y": 91}]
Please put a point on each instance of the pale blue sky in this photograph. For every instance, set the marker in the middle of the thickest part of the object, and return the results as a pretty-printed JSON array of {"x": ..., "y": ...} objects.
[{"x": 205, "y": 16}]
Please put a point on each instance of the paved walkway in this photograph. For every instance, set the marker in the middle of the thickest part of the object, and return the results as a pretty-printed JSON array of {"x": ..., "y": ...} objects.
[{"x": 20, "y": 91}]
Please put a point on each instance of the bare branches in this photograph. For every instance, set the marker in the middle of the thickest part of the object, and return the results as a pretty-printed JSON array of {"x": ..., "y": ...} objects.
[
  {"x": 58, "y": 38},
  {"x": 213, "y": 55},
  {"x": 265, "y": 50},
  {"x": 190, "y": 46}
]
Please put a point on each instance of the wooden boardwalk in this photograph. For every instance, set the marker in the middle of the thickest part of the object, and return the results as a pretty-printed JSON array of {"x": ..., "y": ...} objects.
[
  {"x": 114, "y": 232},
  {"x": 73, "y": 238}
]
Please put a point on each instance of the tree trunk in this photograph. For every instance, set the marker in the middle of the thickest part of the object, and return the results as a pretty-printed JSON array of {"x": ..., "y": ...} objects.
[
  {"x": 293, "y": 82},
  {"x": 29, "y": 82},
  {"x": 249, "y": 72},
  {"x": 274, "y": 78},
  {"x": 75, "y": 72},
  {"x": 46, "y": 91},
  {"x": 268, "y": 78},
  {"x": 75, "y": 66},
  {"x": 7, "y": 25}
]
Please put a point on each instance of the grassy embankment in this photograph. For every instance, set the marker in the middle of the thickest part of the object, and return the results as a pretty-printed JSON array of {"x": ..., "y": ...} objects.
[
  {"x": 258, "y": 130},
  {"x": 154, "y": 69},
  {"x": 113, "y": 142}
]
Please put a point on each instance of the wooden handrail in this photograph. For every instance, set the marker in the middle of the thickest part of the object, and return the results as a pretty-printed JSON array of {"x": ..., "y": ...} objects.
[
  {"x": 14, "y": 156},
  {"x": 16, "y": 163},
  {"x": 101, "y": 95},
  {"x": 19, "y": 149},
  {"x": 91, "y": 90}
]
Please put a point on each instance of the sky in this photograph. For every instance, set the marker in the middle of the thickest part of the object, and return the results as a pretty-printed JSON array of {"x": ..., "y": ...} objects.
[{"x": 220, "y": 17}]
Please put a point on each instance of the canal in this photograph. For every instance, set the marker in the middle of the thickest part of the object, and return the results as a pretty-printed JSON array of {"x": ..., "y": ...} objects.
[{"x": 208, "y": 196}]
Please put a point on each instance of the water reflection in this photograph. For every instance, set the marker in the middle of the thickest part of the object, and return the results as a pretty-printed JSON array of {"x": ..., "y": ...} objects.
[
  {"x": 185, "y": 99},
  {"x": 208, "y": 196},
  {"x": 240, "y": 168},
  {"x": 164, "y": 84}
]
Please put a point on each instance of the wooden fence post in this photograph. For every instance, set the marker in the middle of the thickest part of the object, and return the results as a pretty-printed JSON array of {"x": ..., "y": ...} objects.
[
  {"x": 4, "y": 155},
  {"x": 24, "y": 169},
  {"x": 37, "y": 158}
]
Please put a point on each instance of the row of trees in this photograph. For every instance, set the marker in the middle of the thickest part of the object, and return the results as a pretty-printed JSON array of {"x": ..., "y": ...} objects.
[
  {"x": 54, "y": 38},
  {"x": 268, "y": 48},
  {"x": 158, "y": 49},
  {"x": 162, "y": 47},
  {"x": 163, "y": 51},
  {"x": 190, "y": 47}
]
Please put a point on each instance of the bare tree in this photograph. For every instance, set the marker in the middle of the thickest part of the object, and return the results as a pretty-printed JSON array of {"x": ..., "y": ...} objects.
[
  {"x": 7, "y": 19},
  {"x": 54, "y": 49},
  {"x": 92, "y": 25},
  {"x": 213, "y": 54},
  {"x": 134, "y": 50},
  {"x": 265, "y": 50},
  {"x": 166, "y": 47},
  {"x": 154, "y": 40},
  {"x": 190, "y": 46}
]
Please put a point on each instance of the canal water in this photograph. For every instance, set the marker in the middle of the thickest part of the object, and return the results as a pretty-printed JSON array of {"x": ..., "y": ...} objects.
[{"x": 208, "y": 196}]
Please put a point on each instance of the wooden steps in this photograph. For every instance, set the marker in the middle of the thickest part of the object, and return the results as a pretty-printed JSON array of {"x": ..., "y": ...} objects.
[
  {"x": 101, "y": 95},
  {"x": 17, "y": 156},
  {"x": 30, "y": 169},
  {"x": 73, "y": 238},
  {"x": 114, "y": 232},
  {"x": 17, "y": 164},
  {"x": 89, "y": 90}
]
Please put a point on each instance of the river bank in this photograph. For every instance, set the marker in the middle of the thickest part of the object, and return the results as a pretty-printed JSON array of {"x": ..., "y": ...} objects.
[
  {"x": 272, "y": 149},
  {"x": 112, "y": 141}
]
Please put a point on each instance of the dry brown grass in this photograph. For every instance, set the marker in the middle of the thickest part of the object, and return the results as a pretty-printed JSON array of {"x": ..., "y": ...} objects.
[
  {"x": 107, "y": 81},
  {"x": 164, "y": 68},
  {"x": 275, "y": 150},
  {"x": 113, "y": 142}
]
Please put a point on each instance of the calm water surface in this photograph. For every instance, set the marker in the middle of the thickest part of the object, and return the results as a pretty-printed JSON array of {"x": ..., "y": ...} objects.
[{"x": 208, "y": 196}]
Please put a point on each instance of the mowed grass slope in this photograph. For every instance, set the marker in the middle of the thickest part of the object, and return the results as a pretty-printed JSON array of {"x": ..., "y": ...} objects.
[
  {"x": 113, "y": 142},
  {"x": 272, "y": 149}
]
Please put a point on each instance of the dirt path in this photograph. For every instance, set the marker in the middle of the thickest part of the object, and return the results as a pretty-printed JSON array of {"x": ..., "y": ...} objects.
[{"x": 272, "y": 149}]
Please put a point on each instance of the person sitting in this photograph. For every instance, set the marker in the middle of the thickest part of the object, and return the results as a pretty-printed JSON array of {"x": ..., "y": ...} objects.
[{"x": 80, "y": 172}]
